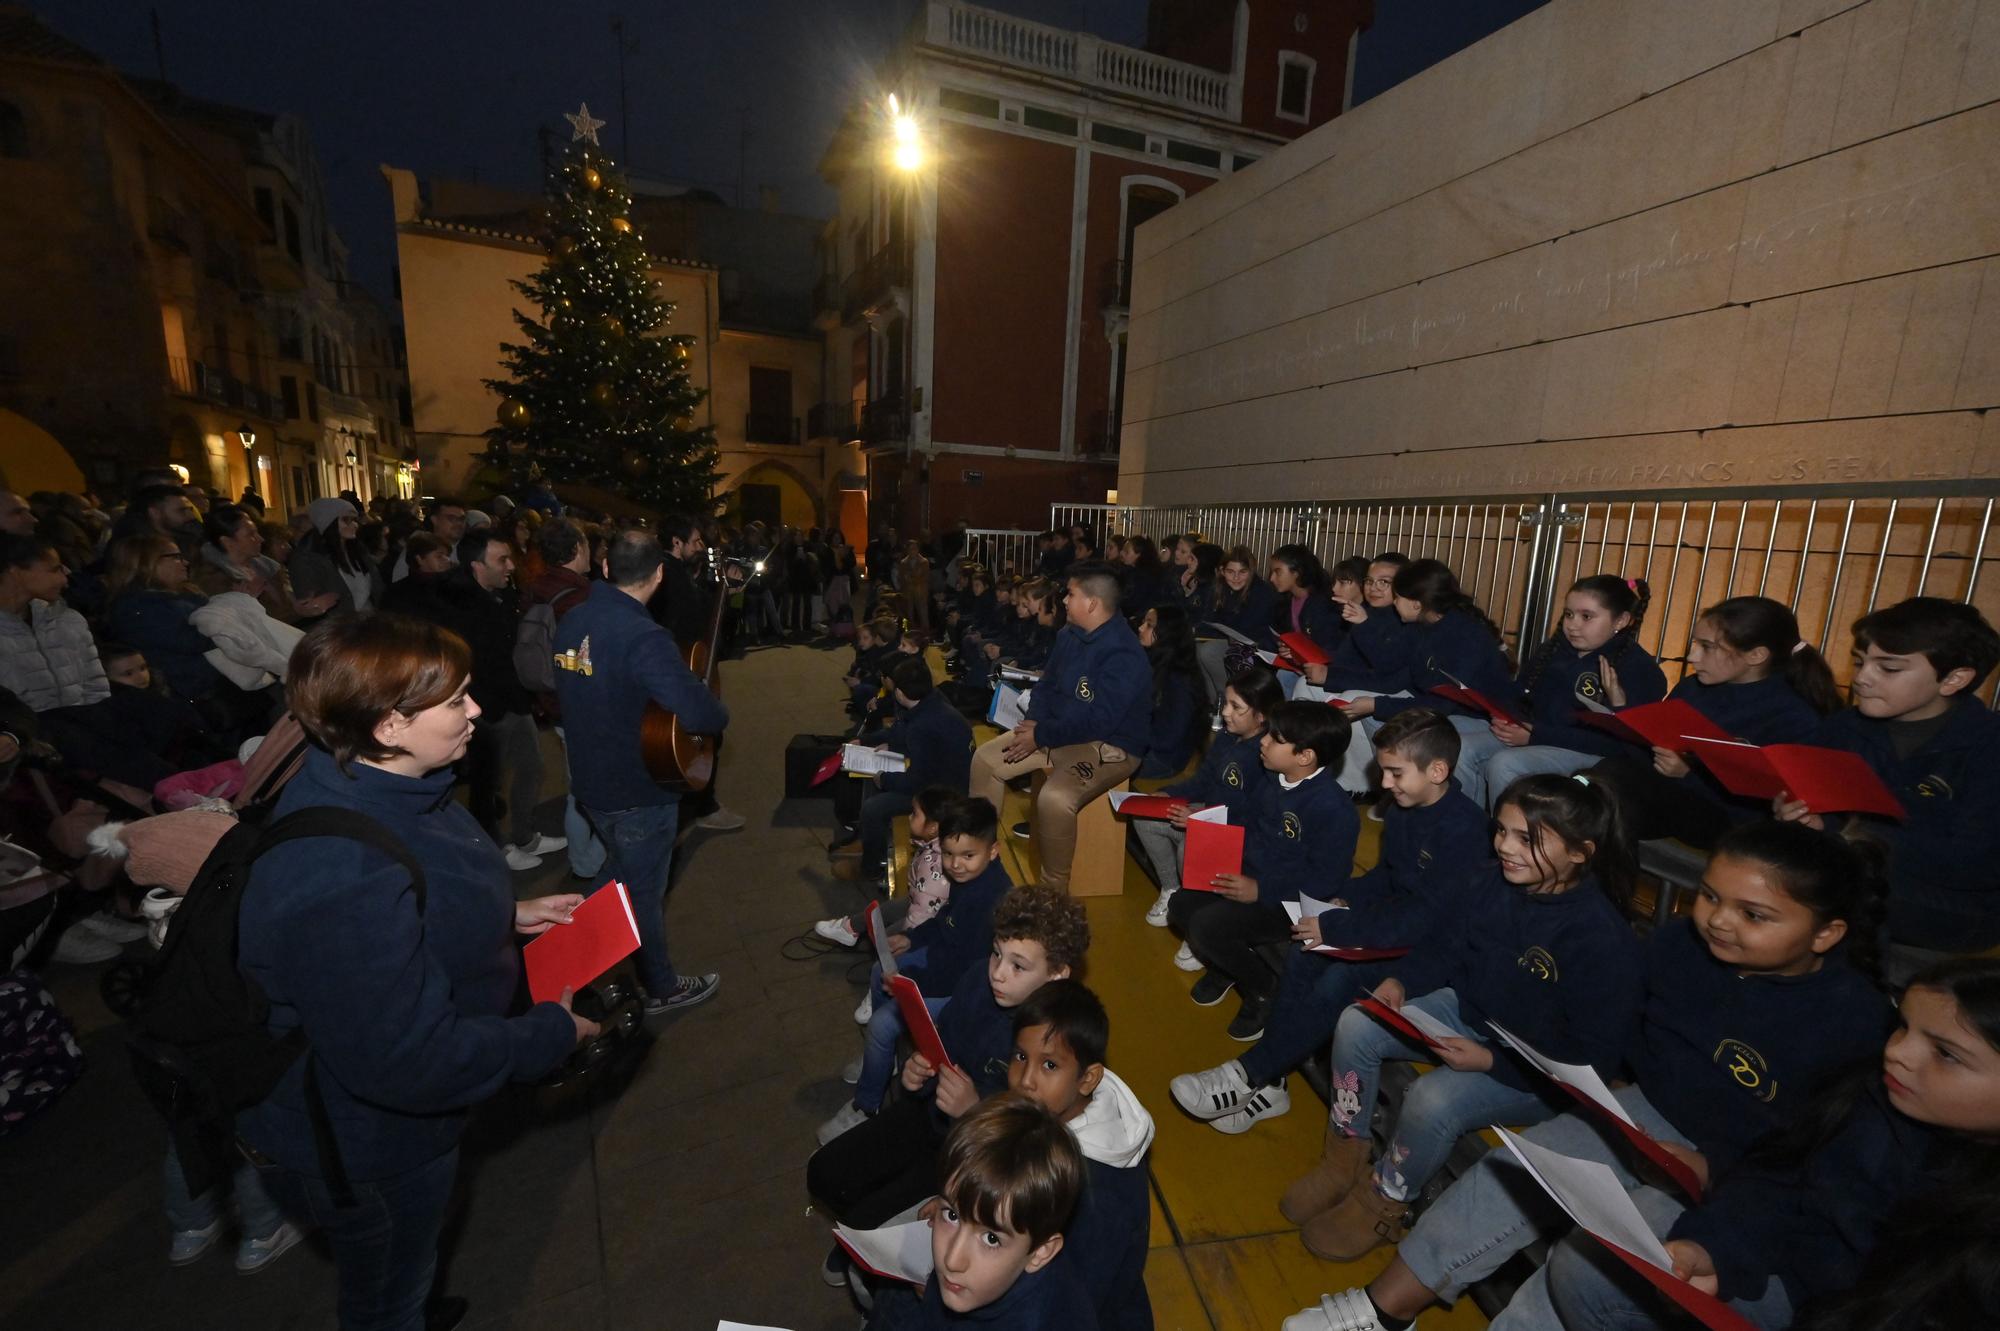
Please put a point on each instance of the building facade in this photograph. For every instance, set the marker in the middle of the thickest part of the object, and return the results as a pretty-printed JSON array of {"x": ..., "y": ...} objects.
[{"x": 975, "y": 280}]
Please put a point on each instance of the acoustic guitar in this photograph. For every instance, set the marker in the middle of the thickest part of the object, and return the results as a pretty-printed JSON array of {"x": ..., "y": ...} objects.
[{"x": 675, "y": 757}]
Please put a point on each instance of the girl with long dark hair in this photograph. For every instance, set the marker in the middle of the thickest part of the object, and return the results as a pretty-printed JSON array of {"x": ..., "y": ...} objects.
[
  {"x": 1168, "y": 637},
  {"x": 1304, "y": 602},
  {"x": 1451, "y": 642}
]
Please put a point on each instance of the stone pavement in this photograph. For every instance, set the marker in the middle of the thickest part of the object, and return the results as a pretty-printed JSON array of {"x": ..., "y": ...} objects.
[{"x": 674, "y": 1202}]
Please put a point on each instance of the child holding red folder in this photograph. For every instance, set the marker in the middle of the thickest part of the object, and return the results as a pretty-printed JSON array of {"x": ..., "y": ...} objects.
[
  {"x": 1749, "y": 1007},
  {"x": 1449, "y": 641},
  {"x": 1542, "y": 947}
]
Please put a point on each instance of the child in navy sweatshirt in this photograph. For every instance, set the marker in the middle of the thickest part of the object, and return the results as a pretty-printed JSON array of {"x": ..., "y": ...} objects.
[
  {"x": 1231, "y": 774},
  {"x": 937, "y": 744},
  {"x": 1304, "y": 605},
  {"x": 1542, "y": 947},
  {"x": 1299, "y": 838},
  {"x": 1435, "y": 847},
  {"x": 1178, "y": 722},
  {"x": 1594, "y": 664},
  {"x": 1750, "y": 1008},
  {"x": 1750, "y": 673},
  {"x": 1060, "y": 1035},
  {"x": 1872, "y": 1210},
  {"x": 1918, "y": 721},
  {"x": 1451, "y": 642}
]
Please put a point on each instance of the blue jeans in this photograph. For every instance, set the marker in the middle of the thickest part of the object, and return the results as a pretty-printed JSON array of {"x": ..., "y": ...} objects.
[
  {"x": 1486, "y": 767},
  {"x": 1312, "y": 993},
  {"x": 1439, "y": 1108},
  {"x": 256, "y": 1211},
  {"x": 640, "y": 843},
  {"x": 586, "y": 852},
  {"x": 1585, "y": 1288},
  {"x": 885, "y": 1029},
  {"x": 385, "y": 1246}
]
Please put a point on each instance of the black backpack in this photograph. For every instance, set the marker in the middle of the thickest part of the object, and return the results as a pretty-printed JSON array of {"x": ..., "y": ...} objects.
[{"x": 200, "y": 1041}]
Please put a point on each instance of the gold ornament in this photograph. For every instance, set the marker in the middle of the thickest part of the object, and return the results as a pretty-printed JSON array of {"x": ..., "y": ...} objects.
[
  {"x": 614, "y": 325},
  {"x": 620, "y": 225},
  {"x": 591, "y": 180},
  {"x": 565, "y": 245},
  {"x": 681, "y": 353},
  {"x": 601, "y": 394},
  {"x": 684, "y": 421},
  {"x": 514, "y": 413}
]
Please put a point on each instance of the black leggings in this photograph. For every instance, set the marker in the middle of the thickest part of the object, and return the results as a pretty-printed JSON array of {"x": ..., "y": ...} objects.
[
  {"x": 880, "y": 1167},
  {"x": 1655, "y": 806},
  {"x": 1226, "y": 934}
]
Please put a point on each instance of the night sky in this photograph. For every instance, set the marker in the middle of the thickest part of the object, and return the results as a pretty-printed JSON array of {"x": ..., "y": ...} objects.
[{"x": 460, "y": 89}]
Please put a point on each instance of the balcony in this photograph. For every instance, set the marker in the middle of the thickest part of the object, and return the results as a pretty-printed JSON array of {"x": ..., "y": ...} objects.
[
  {"x": 876, "y": 283},
  {"x": 1081, "y": 58},
  {"x": 770, "y": 428},
  {"x": 191, "y": 378},
  {"x": 832, "y": 420},
  {"x": 885, "y": 421}
]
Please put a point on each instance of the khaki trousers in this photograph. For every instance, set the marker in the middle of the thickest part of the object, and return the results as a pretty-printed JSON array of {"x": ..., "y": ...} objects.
[{"x": 1077, "y": 774}]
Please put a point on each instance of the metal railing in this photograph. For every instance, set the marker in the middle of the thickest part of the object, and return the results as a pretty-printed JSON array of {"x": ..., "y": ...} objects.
[
  {"x": 1832, "y": 556},
  {"x": 770, "y": 428},
  {"x": 1006, "y": 552},
  {"x": 1079, "y": 56}
]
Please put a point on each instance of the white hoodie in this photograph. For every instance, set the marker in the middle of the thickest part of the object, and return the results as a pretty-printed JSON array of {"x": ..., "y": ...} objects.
[{"x": 1115, "y": 1128}]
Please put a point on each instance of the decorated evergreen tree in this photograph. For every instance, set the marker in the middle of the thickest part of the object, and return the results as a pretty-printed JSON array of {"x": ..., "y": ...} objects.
[{"x": 599, "y": 393}]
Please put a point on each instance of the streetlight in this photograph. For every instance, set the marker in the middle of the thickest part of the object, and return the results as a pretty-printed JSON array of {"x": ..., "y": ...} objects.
[
  {"x": 246, "y": 434},
  {"x": 906, "y": 148}
]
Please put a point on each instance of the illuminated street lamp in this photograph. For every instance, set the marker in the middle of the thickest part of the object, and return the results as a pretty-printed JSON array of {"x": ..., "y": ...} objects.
[{"x": 906, "y": 141}]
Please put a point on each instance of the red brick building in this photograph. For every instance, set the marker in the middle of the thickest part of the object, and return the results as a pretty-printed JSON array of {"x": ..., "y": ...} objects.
[{"x": 974, "y": 280}]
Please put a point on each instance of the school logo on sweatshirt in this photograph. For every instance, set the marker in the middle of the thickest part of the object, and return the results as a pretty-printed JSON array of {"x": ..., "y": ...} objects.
[
  {"x": 1232, "y": 775},
  {"x": 1935, "y": 787},
  {"x": 1748, "y": 1067},
  {"x": 1293, "y": 828},
  {"x": 1538, "y": 962},
  {"x": 1589, "y": 686},
  {"x": 1083, "y": 693}
]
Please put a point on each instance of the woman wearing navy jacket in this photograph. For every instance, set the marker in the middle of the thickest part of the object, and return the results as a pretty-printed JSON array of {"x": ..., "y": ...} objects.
[
  {"x": 1593, "y": 663},
  {"x": 405, "y": 1008},
  {"x": 1451, "y": 642}
]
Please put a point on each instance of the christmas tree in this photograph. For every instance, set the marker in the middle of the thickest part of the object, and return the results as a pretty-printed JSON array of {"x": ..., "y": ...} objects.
[{"x": 598, "y": 393}]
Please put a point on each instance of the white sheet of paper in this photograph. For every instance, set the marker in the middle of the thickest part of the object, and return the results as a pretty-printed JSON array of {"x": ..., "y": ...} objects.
[
  {"x": 878, "y": 934},
  {"x": 1580, "y": 1075},
  {"x": 1010, "y": 706},
  {"x": 1019, "y": 675},
  {"x": 899, "y": 1251},
  {"x": 860, "y": 760},
  {"x": 1426, "y": 1023},
  {"x": 1229, "y": 633},
  {"x": 1214, "y": 813},
  {"x": 1312, "y": 906},
  {"x": 1593, "y": 1196},
  {"x": 744, "y": 1326},
  {"x": 1268, "y": 658}
]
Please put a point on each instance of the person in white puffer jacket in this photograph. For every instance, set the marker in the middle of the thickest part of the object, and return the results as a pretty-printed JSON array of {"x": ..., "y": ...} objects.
[{"x": 48, "y": 657}]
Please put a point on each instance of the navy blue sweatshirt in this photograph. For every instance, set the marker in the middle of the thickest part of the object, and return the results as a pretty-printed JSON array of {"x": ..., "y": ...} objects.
[
  {"x": 977, "y": 1032},
  {"x": 1570, "y": 681},
  {"x": 1727, "y": 1057},
  {"x": 1249, "y": 614},
  {"x": 1051, "y": 1299},
  {"x": 1764, "y": 711},
  {"x": 1318, "y": 618},
  {"x": 960, "y": 936},
  {"x": 1430, "y": 858},
  {"x": 1038, "y": 641},
  {"x": 1300, "y": 840},
  {"x": 1175, "y": 725},
  {"x": 1374, "y": 656},
  {"x": 1559, "y": 970},
  {"x": 1097, "y": 687},
  {"x": 1944, "y": 891},
  {"x": 1460, "y": 646},
  {"x": 1231, "y": 773},
  {"x": 1813, "y": 1225},
  {"x": 936, "y": 740}
]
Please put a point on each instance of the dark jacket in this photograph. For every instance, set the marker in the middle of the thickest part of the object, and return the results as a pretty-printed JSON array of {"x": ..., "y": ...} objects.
[
  {"x": 1249, "y": 614},
  {"x": 936, "y": 740},
  {"x": 418, "y": 595},
  {"x": 1561, "y": 971},
  {"x": 623, "y": 661},
  {"x": 1317, "y": 617},
  {"x": 488, "y": 621},
  {"x": 1231, "y": 773},
  {"x": 564, "y": 589},
  {"x": 1176, "y": 725},
  {"x": 1457, "y": 645},
  {"x": 1727, "y": 1057},
  {"x": 959, "y": 938},
  {"x": 1374, "y": 656},
  {"x": 1764, "y": 711},
  {"x": 1300, "y": 840},
  {"x": 1430, "y": 858},
  {"x": 158, "y": 623},
  {"x": 406, "y": 1013},
  {"x": 1051, "y": 1299},
  {"x": 1570, "y": 680},
  {"x": 1096, "y": 688},
  {"x": 976, "y": 1031},
  {"x": 1944, "y": 891},
  {"x": 313, "y": 573}
]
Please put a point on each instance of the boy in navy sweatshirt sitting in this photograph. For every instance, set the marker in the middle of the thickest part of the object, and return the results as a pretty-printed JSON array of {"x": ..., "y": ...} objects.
[
  {"x": 1434, "y": 841},
  {"x": 1060, "y": 1035},
  {"x": 937, "y": 953},
  {"x": 1919, "y": 723},
  {"x": 887, "y": 1164},
  {"x": 929, "y": 732},
  {"x": 1299, "y": 840}
]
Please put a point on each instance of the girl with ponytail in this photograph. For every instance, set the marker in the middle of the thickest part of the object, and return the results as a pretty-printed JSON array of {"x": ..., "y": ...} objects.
[
  {"x": 1751, "y": 673},
  {"x": 1592, "y": 663}
]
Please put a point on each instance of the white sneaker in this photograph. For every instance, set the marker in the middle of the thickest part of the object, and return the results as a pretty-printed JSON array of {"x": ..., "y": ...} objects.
[
  {"x": 1211, "y": 1094},
  {"x": 1348, "y": 1310},
  {"x": 253, "y": 1255},
  {"x": 722, "y": 820},
  {"x": 518, "y": 859},
  {"x": 191, "y": 1245},
  {"x": 78, "y": 946},
  {"x": 1265, "y": 1102},
  {"x": 158, "y": 906},
  {"x": 545, "y": 845},
  {"x": 838, "y": 930},
  {"x": 864, "y": 1011},
  {"x": 1186, "y": 959},
  {"x": 113, "y": 928},
  {"x": 1156, "y": 914},
  {"x": 850, "y": 1071},
  {"x": 850, "y": 1115}
]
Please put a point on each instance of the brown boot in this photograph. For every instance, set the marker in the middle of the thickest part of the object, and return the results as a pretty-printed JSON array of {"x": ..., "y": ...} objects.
[
  {"x": 846, "y": 864},
  {"x": 1343, "y": 1164},
  {"x": 1358, "y": 1226}
]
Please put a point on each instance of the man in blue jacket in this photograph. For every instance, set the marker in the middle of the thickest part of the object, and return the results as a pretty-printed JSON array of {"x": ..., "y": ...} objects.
[
  {"x": 611, "y": 660},
  {"x": 1087, "y": 719}
]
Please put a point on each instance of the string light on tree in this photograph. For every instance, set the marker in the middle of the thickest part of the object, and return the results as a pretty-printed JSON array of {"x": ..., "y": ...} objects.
[{"x": 599, "y": 392}]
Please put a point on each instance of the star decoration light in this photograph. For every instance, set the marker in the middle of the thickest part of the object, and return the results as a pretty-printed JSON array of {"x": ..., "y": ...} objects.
[{"x": 583, "y": 125}]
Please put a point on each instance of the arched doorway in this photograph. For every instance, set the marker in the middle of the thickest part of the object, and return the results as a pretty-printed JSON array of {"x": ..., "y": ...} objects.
[{"x": 775, "y": 493}]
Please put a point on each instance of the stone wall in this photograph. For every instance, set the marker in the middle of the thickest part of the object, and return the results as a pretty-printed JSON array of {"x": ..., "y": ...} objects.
[{"x": 1619, "y": 247}]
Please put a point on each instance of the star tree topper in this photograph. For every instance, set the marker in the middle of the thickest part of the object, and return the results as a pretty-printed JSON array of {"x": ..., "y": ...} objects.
[{"x": 583, "y": 125}]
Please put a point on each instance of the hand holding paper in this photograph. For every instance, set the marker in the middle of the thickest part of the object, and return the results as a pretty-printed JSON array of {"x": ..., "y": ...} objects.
[
  {"x": 1473, "y": 698},
  {"x": 1824, "y": 780},
  {"x": 601, "y": 933},
  {"x": 893, "y": 1252},
  {"x": 1214, "y": 848}
]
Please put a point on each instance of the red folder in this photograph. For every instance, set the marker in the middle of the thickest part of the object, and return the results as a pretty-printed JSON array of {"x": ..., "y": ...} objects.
[
  {"x": 1304, "y": 649},
  {"x": 1669, "y": 724},
  {"x": 1706, "y": 1308},
  {"x": 1676, "y": 1169},
  {"x": 917, "y": 1020},
  {"x": 601, "y": 933},
  {"x": 1396, "y": 1021},
  {"x": 1827, "y": 780},
  {"x": 1474, "y": 698},
  {"x": 827, "y": 770},
  {"x": 1211, "y": 849},
  {"x": 1149, "y": 806}
]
